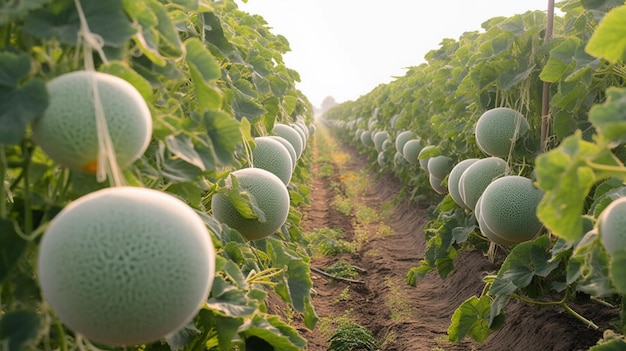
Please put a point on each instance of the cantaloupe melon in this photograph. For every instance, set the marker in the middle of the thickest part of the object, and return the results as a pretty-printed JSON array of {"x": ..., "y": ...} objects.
[
  {"x": 387, "y": 145},
  {"x": 498, "y": 129},
  {"x": 509, "y": 206},
  {"x": 303, "y": 135},
  {"x": 437, "y": 185},
  {"x": 291, "y": 135},
  {"x": 484, "y": 228},
  {"x": 125, "y": 266},
  {"x": 382, "y": 159},
  {"x": 379, "y": 139},
  {"x": 478, "y": 176},
  {"x": 411, "y": 150},
  {"x": 67, "y": 132},
  {"x": 271, "y": 196},
  {"x": 366, "y": 138},
  {"x": 612, "y": 226},
  {"x": 270, "y": 155},
  {"x": 440, "y": 166},
  {"x": 423, "y": 161},
  {"x": 455, "y": 176},
  {"x": 402, "y": 138},
  {"x": 289, "y": 147}
]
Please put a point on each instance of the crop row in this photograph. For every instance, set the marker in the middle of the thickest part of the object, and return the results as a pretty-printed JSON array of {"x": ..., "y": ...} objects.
[
  {"x": 468, "y": 130},
  {"x": 152, "y": 161}
]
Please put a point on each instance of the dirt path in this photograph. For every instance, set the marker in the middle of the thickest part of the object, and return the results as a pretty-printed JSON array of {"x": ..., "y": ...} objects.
[{"x": 411, "y": 318}]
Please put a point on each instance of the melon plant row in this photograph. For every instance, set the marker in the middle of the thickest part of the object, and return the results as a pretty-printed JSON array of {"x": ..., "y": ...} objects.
[
  {"x": 152, "y": 162},
  {"x": 463, "y": 131}
]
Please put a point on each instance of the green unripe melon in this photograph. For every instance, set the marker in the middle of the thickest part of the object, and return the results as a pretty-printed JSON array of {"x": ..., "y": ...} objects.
[
  {"x": 289, "y": 147},
  {"x": 612, "y": 226},
  {"x": 402, "y": 138},
  {"x": 498, "y": 129},
  {"x": 440, "y": 166},
  {"x": 455, "y": 176},
  {"x": 509, "y": 206},
  {"x": 311, "y": 129},
  {"x": 484, "y": 228},
  {"x": 399, "y": 161},
  {"x": 382, "y": 159},
  {"x": 291, "y": 135},
  {"x": 301, "y": 133},
  {"x": 478, "y": 176},
  {"x": 379, "y": 139},
  {"x": 366, "y": 138},
  {"x": 437, "y": 185},
  {"x": 411, "y": 150},
  {"x": 67, "y": 132},
  {"x": 271, "y": 196},
  {"x": 387, "y": 145},
  {"x": 125, "y": 266},
  {"x": 424, "y": 160},
  {"x": 270, "y": 155}
]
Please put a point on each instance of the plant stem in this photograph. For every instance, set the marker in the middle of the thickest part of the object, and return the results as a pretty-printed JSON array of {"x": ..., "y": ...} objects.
[
  {"x": 561, "y": 304},
  {"x": 578, "y": 316},
  {"x": 28, "y": 213}
]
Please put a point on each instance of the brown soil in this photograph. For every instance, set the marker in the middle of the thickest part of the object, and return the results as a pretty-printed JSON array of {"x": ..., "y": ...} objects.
[{"x": 425, "y": 310}]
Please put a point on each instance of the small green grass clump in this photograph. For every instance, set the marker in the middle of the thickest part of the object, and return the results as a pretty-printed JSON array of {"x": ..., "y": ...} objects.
[{"x": 353, "y": 336}]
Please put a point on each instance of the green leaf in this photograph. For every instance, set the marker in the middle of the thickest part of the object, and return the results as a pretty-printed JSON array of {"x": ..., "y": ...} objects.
[
  {"x": 11, "y": 11},
  {"x": 588, "y": 266},
  {"x": 124, "y": 71},
  {"x": 297, "y": 277},
  {"x": 609, "y": 39},
  {"x": 182, "y": 146},
  {"x": 566, "y": 180},
  {"x": 609, "y": 118},
  {"x": 611, "y": 345},
  {"x": 201, "y": 60},
  {"x": 61, "y": 21},
  {"x": 17, "y": 328},
  {"x": 243, "y": 201},
  {"x": 276, "y": 333},
  {"x": 169, "y": 39},
  {"x": 561, "y": 60},
  {"x": 182, "y": 337},
  {"x": 617, "y": 271},
  {"x": 225, "y": 326},
  {"x": 224, "y": 133},
  {"x": 524, "y": 262},
  {"x": 471, "y": 319},
  {"x": 19, "y": 106},
  {"x": 230, "y": 301}
]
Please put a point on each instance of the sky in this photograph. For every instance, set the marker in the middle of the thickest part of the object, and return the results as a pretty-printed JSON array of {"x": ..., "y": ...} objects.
[{"x": 345, "y": 48}]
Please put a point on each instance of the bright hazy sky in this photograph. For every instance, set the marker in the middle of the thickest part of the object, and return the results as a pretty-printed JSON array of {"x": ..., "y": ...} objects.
[{"x": 345, "y": 48}]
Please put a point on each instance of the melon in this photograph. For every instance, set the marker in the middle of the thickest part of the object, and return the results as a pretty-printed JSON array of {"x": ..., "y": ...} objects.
[
  {"x": 387, "y": 145},
  {"x": 291, "y": 135},
  {"x": 411, "y": 150},
  {"x": 379, "y": 139},
  {"x": 125, "y": 265},
  {"x": 440, "y": 166},
  {"x": 67, "y": 133},
  {"x": 382, "y": 159},
  {"x": 366, "y": 138},
  {"x": 402, "y": 138},
  {"x": 399, "y": 160},
  {"x": 423, "y": 161},
  {"x": 301, "y": 133},
  {"x": 486, "y": 231},
  {"x": 311, "y": 129},
  {"x": 270, "y": 155},
  {"x": 271, "y": 196},
  {"x": 437, "y": 185},
  {"x": 509, "y": 206},
  {"x": 478, "y": 176},
  {"x": 289, "y": 147},
  {"x": 455, "y": 176},
  {"x": 612, "y": 226},
  {"x": 498, "y": 129}
]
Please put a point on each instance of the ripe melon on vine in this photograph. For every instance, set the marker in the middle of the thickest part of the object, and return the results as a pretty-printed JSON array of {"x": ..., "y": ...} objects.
[
  {"x": 271, "y": 196},
  {"x": 440, "y": 166},
  {"x": 270, "y": 155},
  {"x": 478, "y": 176},
  {"x": 455, "y": 176},
  {"x": 486, "y": 231},
  {"x": 498, "y": 129},
  {"x": 411, "y": 150},
  {"x": 291, "y": 135},
  {"x": 125, "y": 265},
  {"x": 402, "y": 138},
  {"x": 509, "y": 205},
  {"x": 67, "y": 132}
]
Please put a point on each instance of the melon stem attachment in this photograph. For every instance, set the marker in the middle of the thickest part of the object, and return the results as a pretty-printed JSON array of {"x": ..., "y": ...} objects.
[{"x": 106, "y": 160}]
